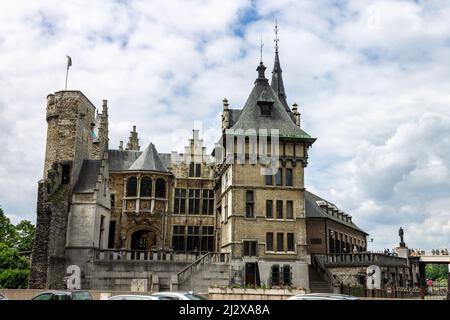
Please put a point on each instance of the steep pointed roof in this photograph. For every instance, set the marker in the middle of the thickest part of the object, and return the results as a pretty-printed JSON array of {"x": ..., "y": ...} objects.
[
  {"x": 277, "y": 82},
  {"x": 250, "y": 117},
  {"x": 148, "y": 160}
]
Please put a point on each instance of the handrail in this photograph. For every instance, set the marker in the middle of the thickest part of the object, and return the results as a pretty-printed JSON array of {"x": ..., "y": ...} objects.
[
  {"x": 206, "y": 258},
  {"x": 328, "y": 277}
]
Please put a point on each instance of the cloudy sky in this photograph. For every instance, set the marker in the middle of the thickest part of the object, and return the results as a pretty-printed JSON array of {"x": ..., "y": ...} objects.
[{"x": 372, "y": 79}]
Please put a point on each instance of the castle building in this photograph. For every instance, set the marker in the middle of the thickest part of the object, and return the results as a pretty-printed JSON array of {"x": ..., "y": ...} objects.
[{"x": 128, "y": 217}]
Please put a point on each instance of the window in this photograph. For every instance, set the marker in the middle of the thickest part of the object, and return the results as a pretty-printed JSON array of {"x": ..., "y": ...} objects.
[
  {"x": 131, "y": 187},
  {"x": 195, "y": 169},
  {"x": 289, "y": 178},
  {"x": 279, "y": 209},
  {"x": 266, "y": 110},
  {"x": 250, "y": 248},
  {"x": 100, "y": 238},
  {"x": 178, "y": 238},
  {"x": 269, "y": 241},
  {"x": 280, "y": 242},
  {"x": 275, "y": 275},
  {"x": 113, "y": 200},
  {"x": 180, "y": 201},
  {"x": 65, "y": 176},
  {"x": 207, "y": 238},
  {"x": 111, "y": 234},
  {"x": 269, "y": 180},
  {"x": 225, "y": 207},
  {"x": 289, "y": 210},
  {"x": 208, "y": 202},
  {"x": 269, "y": 209},
  {"x": 249, "y": 205},
  {"x": 278, "y": 178},
  {"x": 194, "y": 201},
  {"x": 287, "y": 275},
  {"x": 160, "y": 188},
  {"x": 193, "y": 238},
  {"x": 290, "y": 242},
  {"x": 146, "y": 187}
]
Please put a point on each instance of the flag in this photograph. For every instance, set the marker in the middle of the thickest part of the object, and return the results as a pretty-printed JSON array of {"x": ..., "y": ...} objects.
[{"x": 69, "y": 61}]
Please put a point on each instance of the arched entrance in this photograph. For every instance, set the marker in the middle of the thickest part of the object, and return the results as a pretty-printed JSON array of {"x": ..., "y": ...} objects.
[{"x": 143, "y": 240}]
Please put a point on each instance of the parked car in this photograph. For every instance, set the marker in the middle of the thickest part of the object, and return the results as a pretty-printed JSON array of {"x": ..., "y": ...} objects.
[
  {"x": 2, "y": 297},
  {"x": 134, "y": 297},
  {"x": 322, "y": 296},
  {"x": 63, "y": 295},
  {"x": 179, "y": 295}
]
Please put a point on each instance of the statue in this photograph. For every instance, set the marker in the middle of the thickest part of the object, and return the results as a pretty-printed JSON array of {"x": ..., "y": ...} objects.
[{"x": 400, "y": 233}]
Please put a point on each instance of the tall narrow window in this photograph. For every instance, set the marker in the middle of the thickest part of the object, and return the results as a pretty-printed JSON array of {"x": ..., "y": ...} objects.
[
  {"x": 113, "y": 200},
  {"x": 208, "y": 202},
  {"x": 111, "y": 234},
  {"x": 280, "y": 242},
  {"x": 194, "y": 201},
  {"x": 278, "y": 178},
  {"x": 100, "y": 239},
  {"x": 192, "y": 169},
  {"x": 131, "y": 187},
  {"x": 289, "y": 179},
  {"x": 65, "y": 177},
  {"x": 269, "y": 209},
  {"x": 146, "y": 187},
  {"x": 160, "y": 188},
  {"x": 279, "y": 209},
  {"x": 249, "y": 205},
  {"x": 290, "y": 242},
  {"x": 198, "y": 167},
  {"x": 269, "y": 241},
  {"x": 287, "y": 275},
  {"x": 178, "y": 238},
  {"x": 275, "y": 275},
  {"x": 180, "y": 201},
  {"x": 269, "y": 180},
  {"x": 289, "y": 210},
  {"x": 193, "y": 238},
  {"x": 225, "y": 207}
]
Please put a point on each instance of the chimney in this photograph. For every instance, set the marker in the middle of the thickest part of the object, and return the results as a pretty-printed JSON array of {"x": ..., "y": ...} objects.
[
  {"x": 121, "y": 146},
  {"x": 105, "y": 107},
  {"x": 225, "y": 115},
  {"x": 296, "y": 114}
]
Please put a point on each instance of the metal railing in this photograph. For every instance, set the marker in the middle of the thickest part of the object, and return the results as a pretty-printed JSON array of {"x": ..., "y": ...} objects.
[
  {"x": 318, "y": 264},
  {"x": 361, "y": 258},
  {"x": 208, "y": 258}
]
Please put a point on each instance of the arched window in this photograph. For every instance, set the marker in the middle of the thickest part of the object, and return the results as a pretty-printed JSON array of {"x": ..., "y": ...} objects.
[
  {"x": 146, "y": 187},
  {"x": 160, "y": 188},
  {"x": 131, "y": 187}
]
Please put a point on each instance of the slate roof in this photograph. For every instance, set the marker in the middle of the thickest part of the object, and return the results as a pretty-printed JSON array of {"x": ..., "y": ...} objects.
[
  {"x": 149, "y": 159},
  {"x": 313, "y": 210},
  {"x": 250, "y": 117},
  {"x": 234, "y": 116},
  {"x": 87, "y": 179}
]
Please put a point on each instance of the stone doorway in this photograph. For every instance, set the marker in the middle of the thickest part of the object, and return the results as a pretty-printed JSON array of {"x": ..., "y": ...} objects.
[
  {"x": 143, "y": 240},
  {"x": 252, "y": 274}
]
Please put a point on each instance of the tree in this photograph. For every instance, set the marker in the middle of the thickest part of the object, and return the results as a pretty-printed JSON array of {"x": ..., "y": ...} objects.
[
  {"x": 24, "y": 236},
  {"x": 436, "y": 272},
  {"x": 14, "y": 268},
  {"x": 7, "y": 230}
]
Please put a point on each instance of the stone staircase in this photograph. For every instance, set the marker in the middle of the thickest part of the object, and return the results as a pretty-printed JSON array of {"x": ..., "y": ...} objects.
[
  {"x": 212, "y": 269},
  {"x": 316, "y": 283}
]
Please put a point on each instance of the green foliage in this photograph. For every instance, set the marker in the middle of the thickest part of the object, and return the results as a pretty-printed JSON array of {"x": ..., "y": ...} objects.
[
  {"x": 436, "y": 272},
  {"x": 7, "y": 230},
  {"x": 14, "y": 278},
  {"x": 25, "y": 232},
  {"x": 14, "y": 268}
]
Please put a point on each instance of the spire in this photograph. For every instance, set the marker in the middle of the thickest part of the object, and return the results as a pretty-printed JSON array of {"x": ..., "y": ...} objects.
[{"x": 277, "y": 79}]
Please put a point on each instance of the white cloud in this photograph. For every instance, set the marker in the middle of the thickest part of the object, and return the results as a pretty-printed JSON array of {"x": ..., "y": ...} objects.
[{"x": 371, "y": 79}]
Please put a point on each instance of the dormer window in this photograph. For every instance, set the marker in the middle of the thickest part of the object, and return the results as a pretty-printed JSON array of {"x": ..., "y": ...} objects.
[{"x": 266, "y": 110}]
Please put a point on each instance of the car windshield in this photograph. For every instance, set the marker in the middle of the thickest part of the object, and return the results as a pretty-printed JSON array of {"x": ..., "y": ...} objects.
[
  {"x": 193, "y": 296},
  {"x": 82, "y": 295}
]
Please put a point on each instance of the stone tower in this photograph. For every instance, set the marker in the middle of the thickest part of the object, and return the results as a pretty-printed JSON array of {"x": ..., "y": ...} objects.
[
  {"x": 260, "y": 188},
  {"x": 70, "y": 141}
]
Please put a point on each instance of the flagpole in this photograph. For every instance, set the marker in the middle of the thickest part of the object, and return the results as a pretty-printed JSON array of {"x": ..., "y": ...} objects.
[{"x": 67, "y": 75}]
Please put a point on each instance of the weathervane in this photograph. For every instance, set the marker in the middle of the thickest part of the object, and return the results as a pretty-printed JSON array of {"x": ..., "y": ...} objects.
[
  {"x": 276, "y": 36},
  {"x": 261, "y": 48}
]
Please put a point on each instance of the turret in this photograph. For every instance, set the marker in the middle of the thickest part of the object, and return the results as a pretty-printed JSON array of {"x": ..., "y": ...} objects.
[{"x": 133, "y": 141}]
